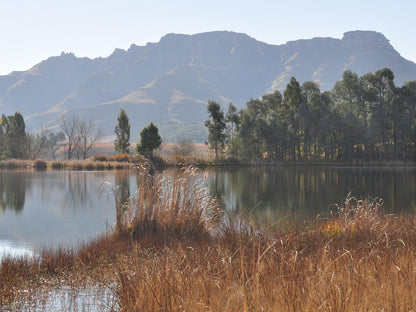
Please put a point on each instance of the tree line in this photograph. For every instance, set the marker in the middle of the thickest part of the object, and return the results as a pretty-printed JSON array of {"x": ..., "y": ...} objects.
[
  {"x": 366, "y": 117},
  {"x": 16, "y": 143},
  {"x": 76, "y": 138}
]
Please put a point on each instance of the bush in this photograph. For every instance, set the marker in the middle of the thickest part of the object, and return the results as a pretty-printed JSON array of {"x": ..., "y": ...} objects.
[
  {"x": 57, "y": 165},
  {"x": 40, "y": 164},
  {"x": 100, "y": 158},
  {"x": 120, "y": 158}
]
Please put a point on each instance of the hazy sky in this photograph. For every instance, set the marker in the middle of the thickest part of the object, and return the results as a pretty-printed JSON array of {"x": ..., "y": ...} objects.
[{"x": 31, "y": 31}]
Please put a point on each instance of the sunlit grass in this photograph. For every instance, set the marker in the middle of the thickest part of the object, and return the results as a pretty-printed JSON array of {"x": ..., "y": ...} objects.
[
  {"x": 173, "y": 249},
  {"x": 65, "y": 164}
]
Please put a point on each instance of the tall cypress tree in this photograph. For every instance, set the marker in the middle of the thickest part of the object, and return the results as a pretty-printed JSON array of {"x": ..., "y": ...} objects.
[{"x": 122, "y": 130}]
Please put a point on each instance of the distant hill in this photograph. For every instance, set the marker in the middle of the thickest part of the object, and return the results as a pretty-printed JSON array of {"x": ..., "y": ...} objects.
[{"x": 170, "y": 82}]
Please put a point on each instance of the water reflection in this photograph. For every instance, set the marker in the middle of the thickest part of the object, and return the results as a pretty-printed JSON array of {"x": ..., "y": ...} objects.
[
  {"x": 55, "y": 208},
  {"x": 122, "y": 182},
  {"x": 12, "y": 191},
  {"x": 64, "y": 208},
  {"x": 310, "y": 191},
  {"x": 12, "y": 249}
]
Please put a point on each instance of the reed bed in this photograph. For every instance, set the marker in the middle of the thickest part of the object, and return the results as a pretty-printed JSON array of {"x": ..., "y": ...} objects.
[
  {"x": 38, "y": 164},
  {"x": 174, "y": 250},
  {"x": 359, "y": 259},
  {"x": 90, "y": 165},
  {"x": 15, "y": 164},
  {"x": 170, "y": 208}
]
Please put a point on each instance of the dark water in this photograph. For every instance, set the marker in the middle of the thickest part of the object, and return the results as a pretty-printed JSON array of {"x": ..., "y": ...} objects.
[
  {"x": 41, "y": 209},
  {"x": 308, "y": 191}
]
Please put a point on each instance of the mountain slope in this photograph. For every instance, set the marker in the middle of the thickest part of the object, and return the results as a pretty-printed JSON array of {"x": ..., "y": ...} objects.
[{"x": 171, "y": 81}]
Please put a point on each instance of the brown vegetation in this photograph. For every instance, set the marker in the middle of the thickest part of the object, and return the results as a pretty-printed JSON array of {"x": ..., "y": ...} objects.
[
  {"x": 174, "y": 250},
  {"x": 66, "y": 164}
]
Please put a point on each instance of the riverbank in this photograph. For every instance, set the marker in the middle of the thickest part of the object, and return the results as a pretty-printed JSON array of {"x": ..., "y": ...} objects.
[
  {"x": 40, "y": 164},
  {"x": 100, "y": 162},
  {"x": 174, "y": 249}
]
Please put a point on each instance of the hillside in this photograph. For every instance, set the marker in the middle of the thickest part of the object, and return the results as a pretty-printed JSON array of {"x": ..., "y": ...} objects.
[{"x": 169, "y": 82}]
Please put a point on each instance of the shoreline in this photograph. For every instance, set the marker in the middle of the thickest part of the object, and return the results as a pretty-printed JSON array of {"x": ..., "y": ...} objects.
[{"x": 78, "y": 165}]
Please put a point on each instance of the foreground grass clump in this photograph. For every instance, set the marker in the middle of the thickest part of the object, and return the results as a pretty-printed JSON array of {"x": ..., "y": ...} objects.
[
  {"x": 170, "y": 208},
  {"x": 173, "y": 250}
]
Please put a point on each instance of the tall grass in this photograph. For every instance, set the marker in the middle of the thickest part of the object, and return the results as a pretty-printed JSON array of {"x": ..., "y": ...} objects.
[
  {"x": 174, "y": 250},
  {"x": 171, "y": 207},
  {"x": 357, "y": 260}
]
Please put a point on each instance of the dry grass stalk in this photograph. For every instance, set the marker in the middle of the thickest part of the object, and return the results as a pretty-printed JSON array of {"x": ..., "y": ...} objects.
[{"x": 169, "y": 207}]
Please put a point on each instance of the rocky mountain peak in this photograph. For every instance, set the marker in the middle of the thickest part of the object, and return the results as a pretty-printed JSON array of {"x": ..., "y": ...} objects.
[
  {"x": 365, "y": 40},
  {"x": 170, "y": 81}
]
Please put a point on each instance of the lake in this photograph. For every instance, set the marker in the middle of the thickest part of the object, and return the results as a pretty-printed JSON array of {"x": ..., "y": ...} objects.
[{"x": 51, "y": 208}]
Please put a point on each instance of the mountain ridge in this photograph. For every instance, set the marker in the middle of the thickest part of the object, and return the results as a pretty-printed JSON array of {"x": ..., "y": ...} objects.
[{"x": 172, "y": 80}]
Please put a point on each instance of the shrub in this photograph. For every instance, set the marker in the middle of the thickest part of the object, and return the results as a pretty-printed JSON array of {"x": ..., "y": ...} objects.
[
  {"x": 89, "y": 165},
  {"x": 40, "y": 164},
  {"x": 57, "y": 165},
  {"x": 100, "y": 158},
  {"x": 120, "y": 158}
]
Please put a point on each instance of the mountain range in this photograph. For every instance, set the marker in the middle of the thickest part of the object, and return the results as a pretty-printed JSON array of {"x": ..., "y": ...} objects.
[{"x": 170, "y": 82}]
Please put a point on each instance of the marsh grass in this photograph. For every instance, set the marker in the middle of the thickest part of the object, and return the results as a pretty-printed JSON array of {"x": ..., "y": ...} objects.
[
  {"x": 171, "y": 207},
  {"x": 65, "y": 164},
  {"x": 14, "y": 164},
  {"x": 175, "y": 251},
  {"x": 91, "y": 165}
]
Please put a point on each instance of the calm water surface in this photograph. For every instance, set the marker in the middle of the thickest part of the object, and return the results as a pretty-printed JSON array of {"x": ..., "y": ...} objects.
[
  {"x": 42, "y": 209},
  {"x": 51, "y": 208}
]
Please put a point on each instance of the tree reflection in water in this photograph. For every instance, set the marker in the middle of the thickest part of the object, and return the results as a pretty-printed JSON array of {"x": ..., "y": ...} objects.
[
  {"x": 13, "y": 191},
  {"x": 308, "y": 191},
  {"x": 122, "y": 182}
]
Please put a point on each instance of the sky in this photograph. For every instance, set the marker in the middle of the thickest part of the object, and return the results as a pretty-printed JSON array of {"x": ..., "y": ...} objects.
[{"x": 32, "y": 31}]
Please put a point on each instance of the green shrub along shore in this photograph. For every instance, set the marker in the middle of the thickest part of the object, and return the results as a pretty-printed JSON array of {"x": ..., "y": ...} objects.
[{"x": 174, "y": 249}]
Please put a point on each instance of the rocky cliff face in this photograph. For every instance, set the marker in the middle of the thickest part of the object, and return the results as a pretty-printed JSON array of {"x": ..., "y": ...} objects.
[{"x": 171, "y": 81}]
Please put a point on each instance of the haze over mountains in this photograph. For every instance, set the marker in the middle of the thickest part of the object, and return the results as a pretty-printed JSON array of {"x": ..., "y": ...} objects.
[{"x": 170, "y": 82}]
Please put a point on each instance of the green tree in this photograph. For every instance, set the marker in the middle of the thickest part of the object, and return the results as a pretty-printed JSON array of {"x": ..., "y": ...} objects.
[
  {"x": 293, "y": 98},
  {"x": 216, "y": 127},
  {"x": 122, "y": 130},
  {"x": 381, "y": 97},
  {"x": 348, "y": 96},
  {"x": 15, "y": 135},
  {"x": 149, "y": 140},
  {"x": 232, "y": 120}
]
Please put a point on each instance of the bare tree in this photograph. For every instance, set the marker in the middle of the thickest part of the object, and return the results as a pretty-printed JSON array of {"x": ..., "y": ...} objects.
[
  {"x": 70, "y": 127},
  {"x": 81, "y": 135},
  {"x": 88, "y": 136},
  {"x": 35, "y": 144},
  {"x": 184, "y": 147}
]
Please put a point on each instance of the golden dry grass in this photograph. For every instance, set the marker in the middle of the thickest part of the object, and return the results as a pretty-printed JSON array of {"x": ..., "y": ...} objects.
[{"x": 175, "y": 251}]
